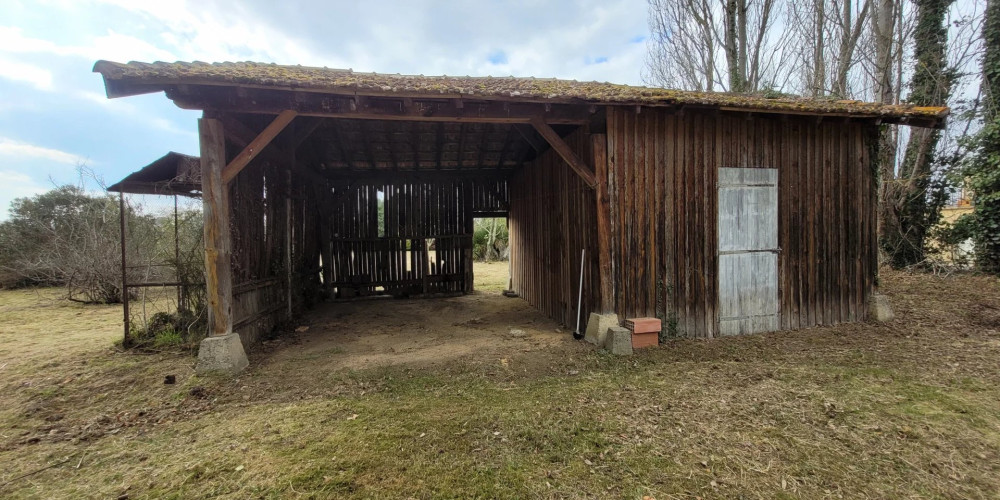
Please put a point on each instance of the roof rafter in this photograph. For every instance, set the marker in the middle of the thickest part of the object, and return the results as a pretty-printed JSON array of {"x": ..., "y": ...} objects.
[
  {"x": 566, "y": 153},
  {"x": 257, "y": 145}
]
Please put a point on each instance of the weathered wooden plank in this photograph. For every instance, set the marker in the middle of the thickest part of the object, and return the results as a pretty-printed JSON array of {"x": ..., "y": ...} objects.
[
  {"x": 257, "y": 145},
  {"x": 565, "y": 152},
  {"x": 215, "y": 214},
  {"x": 748, "y": 260}
]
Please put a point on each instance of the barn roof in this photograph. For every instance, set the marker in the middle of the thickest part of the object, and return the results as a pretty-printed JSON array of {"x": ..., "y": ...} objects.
[
  {"x": 136, "y": 78},
  {"x": 172, "y": 174}
]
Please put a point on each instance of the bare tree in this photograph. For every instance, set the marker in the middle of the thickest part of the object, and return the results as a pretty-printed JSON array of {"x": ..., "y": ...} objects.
[
  {"x": 827, "y": 37},
  {"x": 691, "y": 39},
  {"x": 908, "y": 211},
  {"x": 682, "y": 45}
]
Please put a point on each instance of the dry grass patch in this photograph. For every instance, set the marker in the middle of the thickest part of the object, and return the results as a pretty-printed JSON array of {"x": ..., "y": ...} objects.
[
  {"x": 900, "y": 410},
  {"x": 491, "y": 277}
]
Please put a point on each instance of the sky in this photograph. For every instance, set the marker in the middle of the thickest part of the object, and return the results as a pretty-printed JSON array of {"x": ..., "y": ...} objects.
[{"x": 55, "y": 118}]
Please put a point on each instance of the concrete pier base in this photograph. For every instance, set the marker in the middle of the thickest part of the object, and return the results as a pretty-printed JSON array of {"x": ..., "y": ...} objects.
[
  {"x": 598, "y": 326},
  {"x": 221, "y": 354},
  {"x": 619, "y": 341},
  {"x": 879, "y": 309}
]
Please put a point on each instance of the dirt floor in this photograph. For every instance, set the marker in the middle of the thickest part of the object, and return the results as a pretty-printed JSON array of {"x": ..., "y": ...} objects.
[
  {"x": 480, "y": 397},
  {"x": 419, "y": 332}
]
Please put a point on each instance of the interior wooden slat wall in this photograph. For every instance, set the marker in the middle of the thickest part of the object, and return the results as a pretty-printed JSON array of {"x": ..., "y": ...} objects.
[
  {"x": 490, "y": 198},
  {"x": 425, "y": 244},
  {"x": 258, "y": 230},
  {"x": 662, "y": 174},
  {"x": 552, "y": 218}
]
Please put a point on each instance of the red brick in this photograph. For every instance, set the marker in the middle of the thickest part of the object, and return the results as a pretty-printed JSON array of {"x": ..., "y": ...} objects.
[
  {"x": 640, "y": 340},
  {"x": 643, "y": 325}
]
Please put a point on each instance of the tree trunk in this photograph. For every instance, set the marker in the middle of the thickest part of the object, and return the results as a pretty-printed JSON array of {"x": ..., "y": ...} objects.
[
  {"x": 908, "y": 214},
  {"x": 884, "y": 29},
  {"x": 819, "y": 59},
  {"x": 732, "y": 52}
]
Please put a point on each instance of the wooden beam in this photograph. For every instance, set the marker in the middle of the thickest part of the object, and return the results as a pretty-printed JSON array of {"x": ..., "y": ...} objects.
[
  {"x": 369, "y": 152},
  {"x": 387, "y": 108},
  {"x": 530, "y": 138},
  {"x": 440, "y": 144},
  {"x": 389, "y": 131},
  {"x": 415, "y": 140},
  {"x": 606, "y": 277},
  {"x": 242, "y": 136},
  {"x": 305, "y": 132},
  {"x": 338, "y": 139},
  {"x": 215, "y": 214},
  {"x": 484, "y": 142},
  {"x": 365, "y": 177},
  {"x": 506, "y": 146},
  {"x": 259, "y": 143},
  {"x": 565, "y": 152},
  {"x": 461, "y": 144}
]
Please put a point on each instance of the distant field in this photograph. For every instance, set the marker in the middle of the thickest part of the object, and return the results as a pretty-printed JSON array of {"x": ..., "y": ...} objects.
[{"x": 480, "y": 397}]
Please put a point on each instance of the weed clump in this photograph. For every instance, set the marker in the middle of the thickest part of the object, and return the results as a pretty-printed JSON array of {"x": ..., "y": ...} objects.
[{"x": 181, "y": 330}]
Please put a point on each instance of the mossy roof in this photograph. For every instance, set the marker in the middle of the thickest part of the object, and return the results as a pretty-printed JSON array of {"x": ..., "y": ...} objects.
[{"x": 138, "y": 77}]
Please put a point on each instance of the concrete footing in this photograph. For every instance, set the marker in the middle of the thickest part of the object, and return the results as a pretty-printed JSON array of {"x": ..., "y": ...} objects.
[
  {"x": 598, "y": 326},
  {"x": 619, "y": 341},
  {"x": 879, "y": 309},
  {"x": 222, "y": 354}
]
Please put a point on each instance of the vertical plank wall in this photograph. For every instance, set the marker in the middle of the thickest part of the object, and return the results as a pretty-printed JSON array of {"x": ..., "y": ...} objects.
[
  {"x": 259, "y": 231},
  {"x": 552, "y": 217},
  {"x": 395, "y": 253},
  {"x": 662, "y": 178}
]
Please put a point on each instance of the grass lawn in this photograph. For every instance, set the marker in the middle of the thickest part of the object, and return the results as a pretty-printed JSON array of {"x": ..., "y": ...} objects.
[
  {"x": 899, "y": 410},
  {"x": 491, "y": 276}
]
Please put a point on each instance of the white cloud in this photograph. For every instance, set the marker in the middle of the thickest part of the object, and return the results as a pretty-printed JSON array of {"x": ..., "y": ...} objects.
[
  {"x": 16, "y": 185},
  {"x": 110, "y": 45},
  {"x": 125, "y": 107},
  {"x": 39, "y": 78},
  {"x": 15, "y": 149}
]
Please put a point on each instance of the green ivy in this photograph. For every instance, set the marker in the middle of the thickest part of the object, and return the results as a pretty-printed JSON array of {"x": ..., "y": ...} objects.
[{"x": 982, "y": 167}]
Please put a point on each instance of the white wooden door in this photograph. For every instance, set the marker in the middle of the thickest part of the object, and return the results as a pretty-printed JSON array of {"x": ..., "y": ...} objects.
[{"x": 748, "y": 250}]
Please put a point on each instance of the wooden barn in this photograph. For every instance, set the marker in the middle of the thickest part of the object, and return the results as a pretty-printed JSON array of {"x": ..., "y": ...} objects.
[{"x": 720, "y": 214}]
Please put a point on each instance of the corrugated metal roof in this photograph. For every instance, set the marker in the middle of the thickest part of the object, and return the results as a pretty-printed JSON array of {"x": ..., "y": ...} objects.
[{"x": 139, "y": 78}]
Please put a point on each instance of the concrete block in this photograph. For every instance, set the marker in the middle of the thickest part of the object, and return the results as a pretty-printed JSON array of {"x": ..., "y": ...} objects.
[
  {"x": 879, "y": 309},
  {"x": 619, "y": 341},
  {"x": 222, "y": 354},
  {"x": 597, "y": 327}
]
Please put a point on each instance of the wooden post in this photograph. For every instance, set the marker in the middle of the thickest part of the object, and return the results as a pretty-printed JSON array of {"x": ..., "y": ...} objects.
[
  {"x": 467, "y": 240},
  {"x": 289, "y": 234},
  {"x": 215, "y": 210},
  {"x": 126, "y": 338},
  {"x": 289, "y": 231},
  {"x": 177, "y": 260},
  {"x": 606, "y": 274}
]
